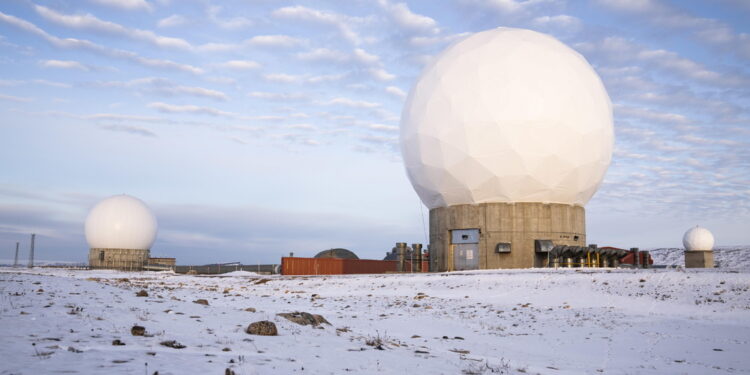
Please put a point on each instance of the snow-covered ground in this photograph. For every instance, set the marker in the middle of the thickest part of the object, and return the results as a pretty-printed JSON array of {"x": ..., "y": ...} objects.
[{"x": 567, "y": 321}]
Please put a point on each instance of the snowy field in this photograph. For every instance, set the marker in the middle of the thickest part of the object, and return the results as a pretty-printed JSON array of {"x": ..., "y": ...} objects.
[{"x": 669, "y": 321}]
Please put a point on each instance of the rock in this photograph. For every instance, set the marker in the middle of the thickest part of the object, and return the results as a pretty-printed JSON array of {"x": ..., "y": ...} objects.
[
  {"x": 262, "y": 328},
  {"x": 250, "y": 309},
  {"x": 172, "y": 344},
  {"x": 142, "y": 293},
  {"x": 138, "y": 331},
  {"x": 201, "y": 302},
  {"x": 229, "y": 371},
  {"x": 117, "y": 342},
  {"x": 303, "y": 318}
]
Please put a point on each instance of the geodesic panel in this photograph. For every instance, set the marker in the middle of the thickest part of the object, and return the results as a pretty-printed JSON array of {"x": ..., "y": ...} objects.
[
  {"x": 121, "y": 222},
  {"x": 507, "y": 115},
  {"x": 698, "y": 238}
]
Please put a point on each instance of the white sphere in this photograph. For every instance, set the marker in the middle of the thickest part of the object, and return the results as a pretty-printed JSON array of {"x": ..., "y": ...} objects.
[
  {"x": 121, "y": 222},
  {"x": 507, "y": 115},
  {"x": 697, "y": 239}
]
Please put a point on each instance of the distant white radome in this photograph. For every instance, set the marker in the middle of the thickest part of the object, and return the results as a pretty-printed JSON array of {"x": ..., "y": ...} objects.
[
  {"x": 698, "y": 239},
  {"x": 507, "y": 115},
  {"x": 121, "y": 222}
]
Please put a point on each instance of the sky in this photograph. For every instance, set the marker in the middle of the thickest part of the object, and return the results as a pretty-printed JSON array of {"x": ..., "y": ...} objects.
[{"x": 255, "y": 128}]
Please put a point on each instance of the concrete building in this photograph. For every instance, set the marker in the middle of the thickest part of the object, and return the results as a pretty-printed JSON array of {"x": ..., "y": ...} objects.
[
  {"x": 120, "y": 231},
  {"x": 699, "y": 246},
  {"x": 505, "y": 137}
]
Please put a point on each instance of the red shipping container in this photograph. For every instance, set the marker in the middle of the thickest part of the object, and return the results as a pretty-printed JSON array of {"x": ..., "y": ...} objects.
[{"x": 336, "y": 266}]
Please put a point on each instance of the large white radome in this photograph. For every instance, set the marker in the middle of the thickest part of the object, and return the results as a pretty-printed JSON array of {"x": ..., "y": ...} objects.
[
  {"x": 507, "y": 115},
  {"x": 697, "y": 239},
  {"x": 121, "y": 222}
]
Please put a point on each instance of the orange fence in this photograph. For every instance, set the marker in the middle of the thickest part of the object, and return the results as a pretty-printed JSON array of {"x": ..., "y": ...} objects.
[{"x": 335, "y": 266}]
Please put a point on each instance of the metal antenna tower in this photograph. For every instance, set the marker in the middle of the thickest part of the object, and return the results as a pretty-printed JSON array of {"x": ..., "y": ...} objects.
[
  {"x": 31, "y": 252},
  {"x": 15, "y": 260}
]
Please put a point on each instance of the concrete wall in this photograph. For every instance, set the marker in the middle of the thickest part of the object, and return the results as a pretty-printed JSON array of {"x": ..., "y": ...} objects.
[
  {"x": 120, "y": 259},
  {"x": 516, "y": 223}
]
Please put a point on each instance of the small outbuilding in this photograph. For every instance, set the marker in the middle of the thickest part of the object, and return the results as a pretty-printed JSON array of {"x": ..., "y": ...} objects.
[{"x": 338, "y": 253}]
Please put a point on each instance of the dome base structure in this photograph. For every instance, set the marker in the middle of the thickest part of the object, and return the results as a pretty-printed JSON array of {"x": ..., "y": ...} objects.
[
  {"x": 502, "y": 235},
  {"x": 699, "y": 259},
  {"x": 119, "y": 259}
]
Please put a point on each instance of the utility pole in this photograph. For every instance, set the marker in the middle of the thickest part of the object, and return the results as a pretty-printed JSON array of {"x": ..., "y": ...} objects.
[
  {"x": 31, "y": 252},
  {"x": 15, "y": 260}
]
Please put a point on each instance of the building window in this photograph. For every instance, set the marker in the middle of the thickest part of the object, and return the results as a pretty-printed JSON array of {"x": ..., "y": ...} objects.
[{"x": 101, "y": 256}]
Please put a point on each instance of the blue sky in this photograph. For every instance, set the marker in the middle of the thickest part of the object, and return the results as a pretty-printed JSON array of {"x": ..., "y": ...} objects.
[{"x": 256, "y": 128}]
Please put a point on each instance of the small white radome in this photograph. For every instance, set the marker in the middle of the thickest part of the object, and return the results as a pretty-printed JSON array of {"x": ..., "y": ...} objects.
[
  {"x": 697, "y": 239},
  {"x": 121, "y": 222},
  {"x": 507, "y": 115}
]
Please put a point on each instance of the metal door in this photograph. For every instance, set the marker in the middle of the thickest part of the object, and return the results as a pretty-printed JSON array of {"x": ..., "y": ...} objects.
[
  {"x": 465, "y": 249},
  {"x": 466, "y": 256}
]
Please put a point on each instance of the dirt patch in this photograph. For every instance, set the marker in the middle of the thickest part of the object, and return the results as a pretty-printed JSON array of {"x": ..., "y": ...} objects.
[
  {"x": 201, "y": 302},
  {"x": 142, "y": 293}
]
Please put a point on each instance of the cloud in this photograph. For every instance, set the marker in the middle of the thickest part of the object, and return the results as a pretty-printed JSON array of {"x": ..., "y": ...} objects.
[
  {"x": 278, "y": 96},
  {"x": 306, "y": 78},
  {"x": 408, "y": 20},
  {"x": 240, "y": 65},
  {"x": 385, "y": 143},
  {"x": 365, "y": 58},
  {"x": 511, "y": 7},
  {"x": 193, "y": 109},
  {"x": 274, "y": 41},
  {"x": 339, "y": 21},
  {"x": 164, "y": 86},
  {"x": 72, "y": 43},
  {"x": 561, "y": 22},
  {"x": 707, "y": 30},
  {"x": 116, "y": 117},
  {"x": 381, "y": 74},
  {"x": 125, "y": 4},
  {"x": 283, "y": 78},
  {"x": 130, "y": 129},
  {"x": 431, "y": 41},
  {"x": 395, "y": 91},
  {"x": 650, "y": 115},
  {"x": 352, "y": 103},
  {"x": 63, "y": 64},
  {"x": 324, "y": 54},
  {"x": 623, "y": 51},
  {"x": 384, "y": 128},
  {"x": 51, "y": 83},
  {"x": 16, "y": 99},
  {"x": 233, "y": 23},
  {"x": 90, "y": 22},
  {"x": 358, "y": 56},
  {"x": 172, "y": 21}
]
